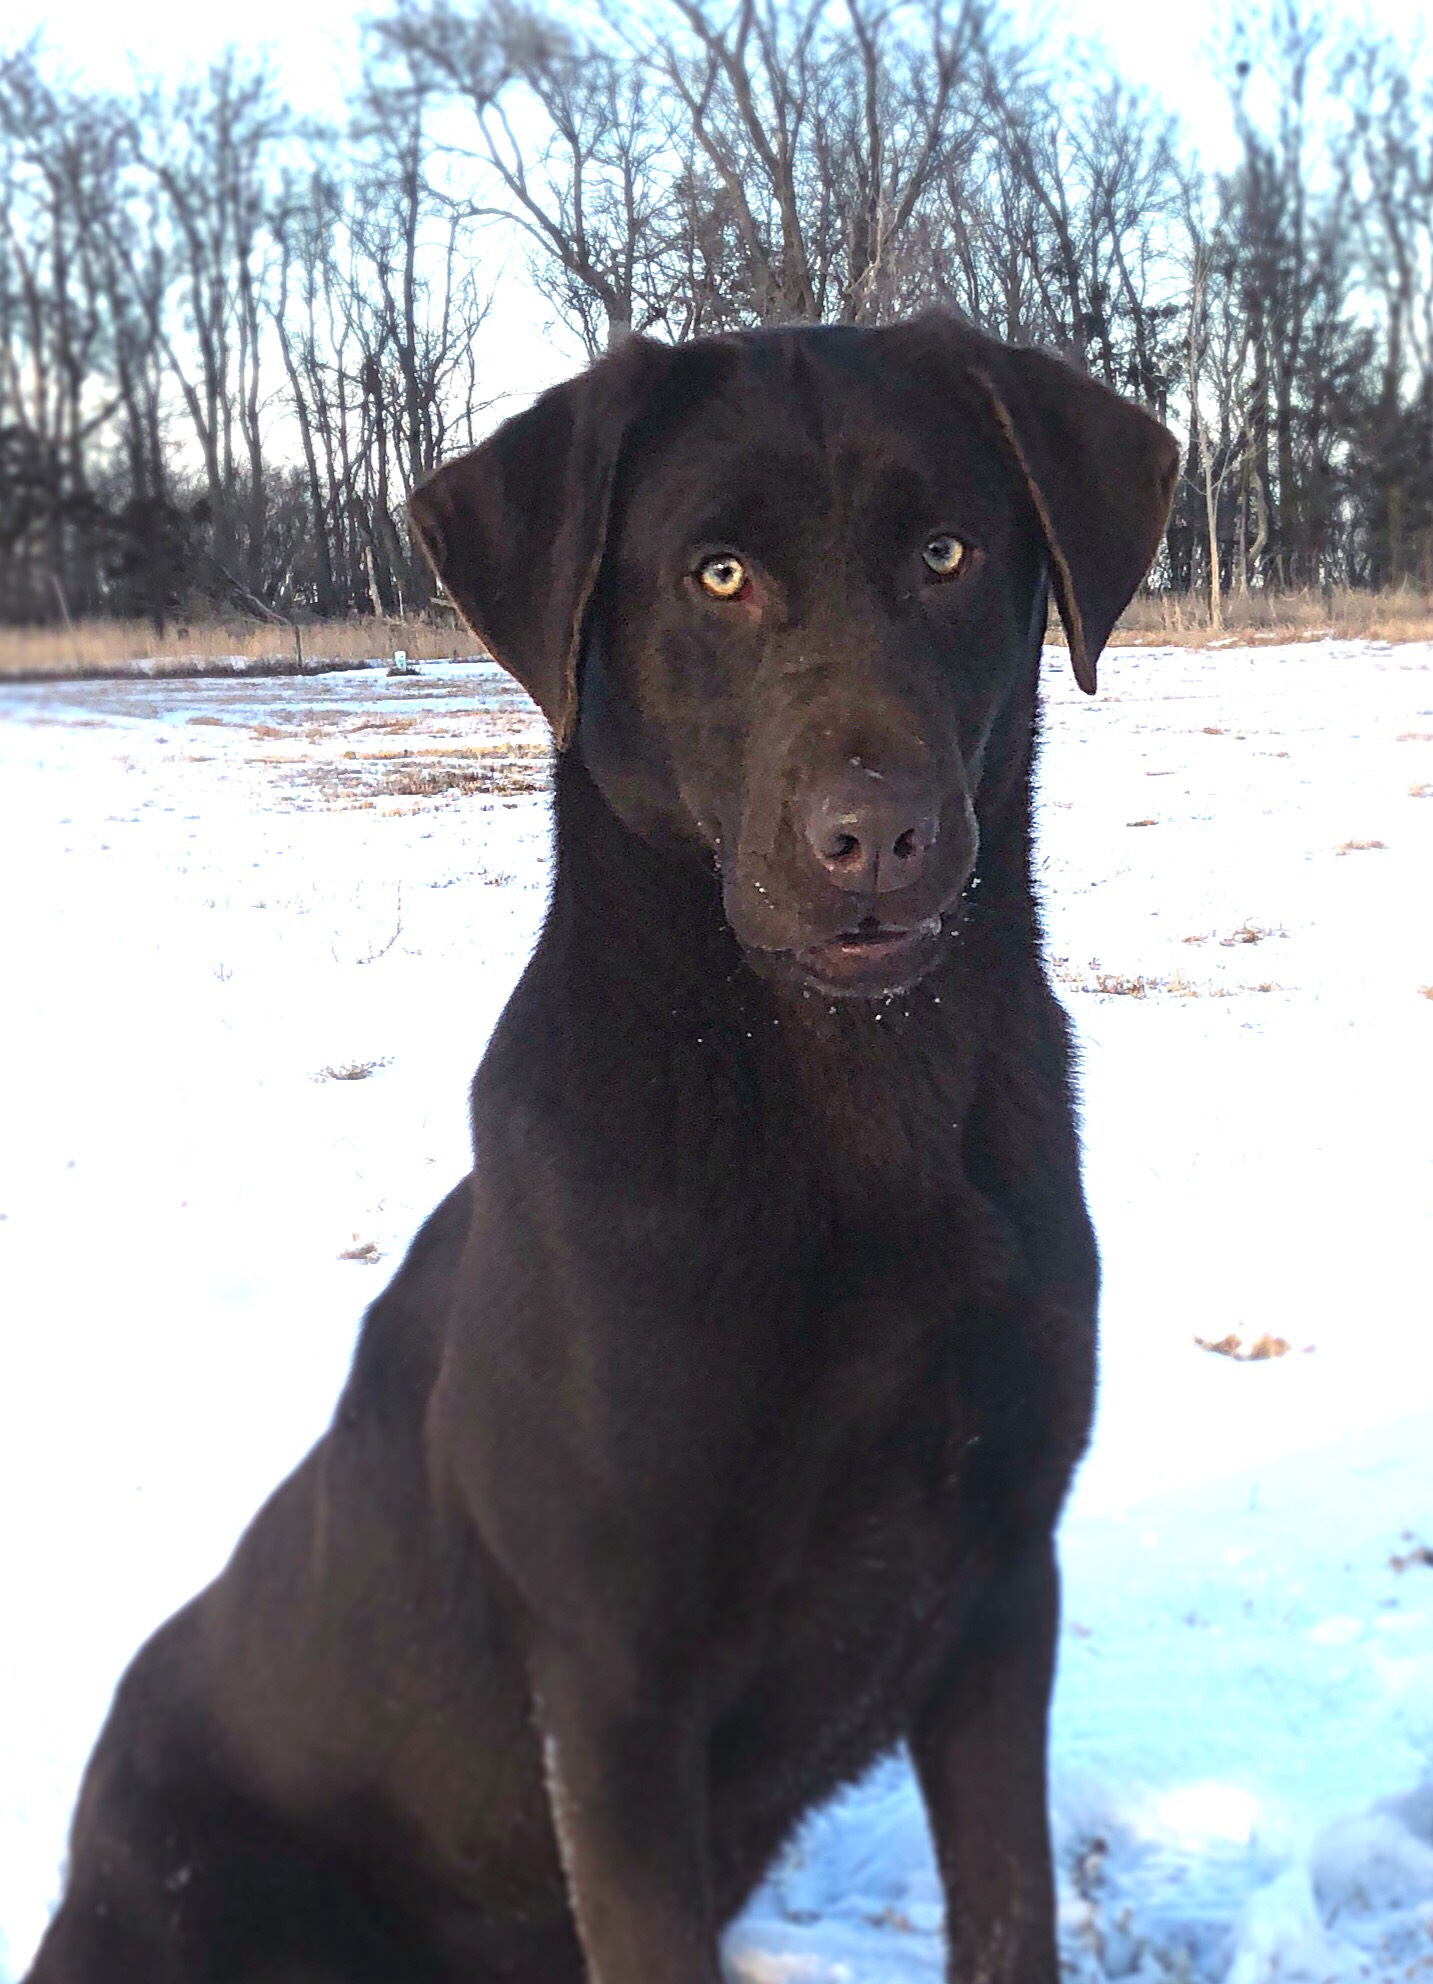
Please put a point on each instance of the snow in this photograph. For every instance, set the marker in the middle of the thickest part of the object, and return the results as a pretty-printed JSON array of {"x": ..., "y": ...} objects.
[{"x": 215, "y": 920}]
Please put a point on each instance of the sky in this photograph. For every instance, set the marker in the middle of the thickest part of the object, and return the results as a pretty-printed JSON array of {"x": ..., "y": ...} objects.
[
  {"x": 1171, "y": 49},
  {"x": 313, "y": 41}
]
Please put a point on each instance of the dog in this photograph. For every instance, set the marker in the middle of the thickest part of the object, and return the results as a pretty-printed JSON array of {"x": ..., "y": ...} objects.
[{"x": 711, "y": 1438}]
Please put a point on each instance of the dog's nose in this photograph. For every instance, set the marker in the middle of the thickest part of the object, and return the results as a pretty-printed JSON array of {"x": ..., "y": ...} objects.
[{"x": 871, "y": 831}]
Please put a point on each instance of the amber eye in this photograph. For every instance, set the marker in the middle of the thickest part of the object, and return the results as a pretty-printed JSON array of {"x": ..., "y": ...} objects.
[
  {"x": 944, "y": 554},
  {"x": 723, "y": 576}
]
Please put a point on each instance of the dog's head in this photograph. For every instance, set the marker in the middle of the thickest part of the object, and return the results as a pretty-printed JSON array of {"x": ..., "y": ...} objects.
[{"x": 775, "y": 590}]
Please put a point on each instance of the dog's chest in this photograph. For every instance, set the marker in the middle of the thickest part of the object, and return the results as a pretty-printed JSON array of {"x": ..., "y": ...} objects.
[{"x": 857, "y": 1537}]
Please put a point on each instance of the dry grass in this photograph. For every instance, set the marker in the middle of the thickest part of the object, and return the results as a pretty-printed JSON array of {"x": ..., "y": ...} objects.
[
  {"x": 1119, "y": 985},
  {"x": 1248, "y": 933},
  {"x": 1259, "y": 619},
  {"x": 433, "y": 782},
  {"x": 507, "y": 746},
  {"x": 362, "y": 778},
  {"x": 1259, "y": 1351},
  {"x": 102, "y": 646},
  {"x": 1155, "y": 620},
  {"x": 1149, "y": 985}
]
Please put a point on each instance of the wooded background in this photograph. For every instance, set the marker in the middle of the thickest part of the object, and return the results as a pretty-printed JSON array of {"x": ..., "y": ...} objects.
[{"x": 232, "y": 339}]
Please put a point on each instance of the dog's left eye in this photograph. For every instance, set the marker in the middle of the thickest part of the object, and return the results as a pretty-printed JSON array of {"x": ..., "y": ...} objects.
[
  {"x": 944, "y": 554},
  {"x": 723, "y": 576}
]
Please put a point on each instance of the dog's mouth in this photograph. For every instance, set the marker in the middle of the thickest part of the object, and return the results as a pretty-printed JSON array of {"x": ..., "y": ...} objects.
[{"x": 872, "y": 960}]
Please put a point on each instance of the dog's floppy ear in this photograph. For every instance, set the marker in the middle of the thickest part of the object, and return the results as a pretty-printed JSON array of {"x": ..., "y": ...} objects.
[
  {"x": 1100, "y": 474},
  {"x": 516, "y": 529}
]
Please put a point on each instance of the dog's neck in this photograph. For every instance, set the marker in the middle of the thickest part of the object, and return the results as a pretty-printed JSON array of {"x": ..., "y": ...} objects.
[{"x": 655, "y": 982}]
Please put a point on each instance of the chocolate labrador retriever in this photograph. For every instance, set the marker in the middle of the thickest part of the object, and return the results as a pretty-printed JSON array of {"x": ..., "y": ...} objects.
[{"x": 710, "y": 1440}]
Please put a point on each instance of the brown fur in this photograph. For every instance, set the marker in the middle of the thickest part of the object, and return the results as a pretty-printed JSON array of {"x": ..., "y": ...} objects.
[{"x": 711, "y": 1439}]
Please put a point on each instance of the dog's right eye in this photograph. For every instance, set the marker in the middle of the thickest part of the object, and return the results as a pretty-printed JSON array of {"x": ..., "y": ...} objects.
[
  {"x": 723, "y": 576},
  {"x": 944, "y": 554}
]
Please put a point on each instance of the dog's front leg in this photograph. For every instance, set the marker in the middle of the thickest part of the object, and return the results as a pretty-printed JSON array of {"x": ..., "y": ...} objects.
[
  {"x": 980, "y": 1753},
  {"x": 626, "y": 1779}
]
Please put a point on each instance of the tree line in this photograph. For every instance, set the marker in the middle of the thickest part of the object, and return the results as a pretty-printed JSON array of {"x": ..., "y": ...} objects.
[{"x": 232, "y": 339}]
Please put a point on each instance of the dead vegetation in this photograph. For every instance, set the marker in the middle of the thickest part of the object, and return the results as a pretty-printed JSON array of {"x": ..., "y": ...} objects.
[
  {"x": 388, "y": 725},
  {"x": 100, "y": 647},
  {"x": 1268, "y": 619},
  {"x": 330, "y": 757},
  {"x": 1248, "y": 933},
  {"x": 353, "y": 1071},
  {"x": 512, "y": 744},
  {"x": 1257, "y": 1350},
  {"x": 510, "y": 764},
  {"x": 509, "y": 774},
  {"x": 436, "y": 781},
  {"x": 1117, "y": 985},
  {"x": 1148, "y": 985}
]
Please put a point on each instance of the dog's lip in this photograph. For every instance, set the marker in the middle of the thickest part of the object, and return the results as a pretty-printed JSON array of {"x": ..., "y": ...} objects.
[
  {"x": 882, "y": 941},
  {"x": 863, "y": 955}
]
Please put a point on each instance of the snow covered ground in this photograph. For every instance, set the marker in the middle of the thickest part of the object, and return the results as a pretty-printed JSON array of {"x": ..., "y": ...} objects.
[{"x": 254, "y": 936}]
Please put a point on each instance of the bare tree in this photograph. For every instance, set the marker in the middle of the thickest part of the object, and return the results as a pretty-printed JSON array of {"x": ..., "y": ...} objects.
[
  {"x": 1291, "y": 236},
  {"x": 572, "y": 147},
  {"x": 56, "y": 173},
  {"x": 1391, "y": 118},
  {"x": 825, "y": 129},
  {"x": 231, "y": 343},
  {"x": 197, "y": 277}
]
